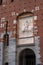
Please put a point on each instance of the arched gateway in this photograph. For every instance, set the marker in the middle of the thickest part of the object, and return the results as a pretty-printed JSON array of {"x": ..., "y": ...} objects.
[
  {"x": 25, "y": 37},
  {"x": 27, "y": 57}
]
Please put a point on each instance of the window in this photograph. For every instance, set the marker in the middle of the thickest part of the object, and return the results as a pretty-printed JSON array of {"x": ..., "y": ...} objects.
[
  {"x": 12, "y": 0},
  {"x": 0, "y": 2},
  {"x": 6, "y": 40}
]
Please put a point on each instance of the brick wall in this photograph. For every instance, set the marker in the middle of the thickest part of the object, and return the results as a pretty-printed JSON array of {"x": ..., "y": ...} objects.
[{"x": 9, "y": 11}]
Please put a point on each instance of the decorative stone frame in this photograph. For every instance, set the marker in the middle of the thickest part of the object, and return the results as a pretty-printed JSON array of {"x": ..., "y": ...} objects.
[{"x": 25, "y": 15}]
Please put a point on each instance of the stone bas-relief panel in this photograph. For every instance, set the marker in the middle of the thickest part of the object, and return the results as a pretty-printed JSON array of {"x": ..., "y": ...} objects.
[{"x": 25, "y": 28}]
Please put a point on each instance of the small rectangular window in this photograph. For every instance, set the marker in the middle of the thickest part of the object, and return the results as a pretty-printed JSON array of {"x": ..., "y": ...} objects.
[
  {"x": 6, "y": 40},
  {"x": 0, "y": 2}
]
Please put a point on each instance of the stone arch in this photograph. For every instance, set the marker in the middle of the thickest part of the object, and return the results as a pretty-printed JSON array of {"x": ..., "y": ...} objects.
[
  {"x": 25, "y": 13},
  {"x": 26, "y": 57}
]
